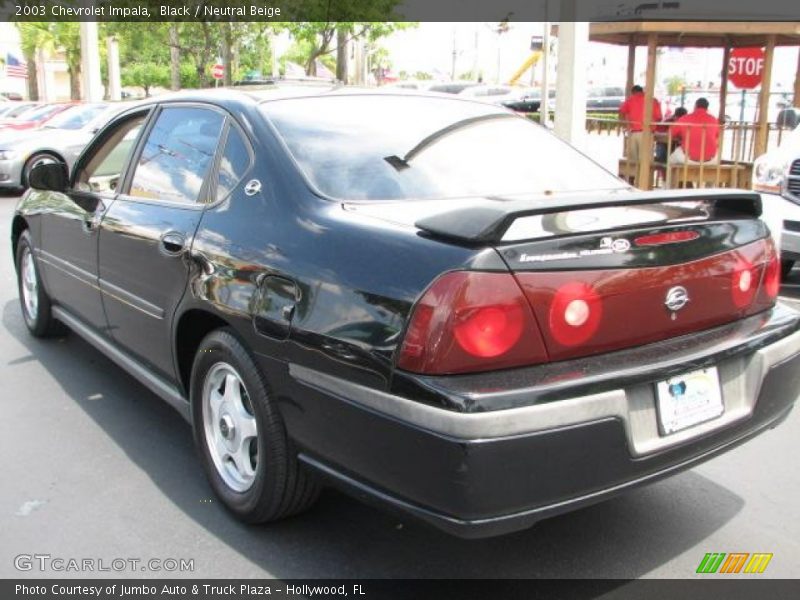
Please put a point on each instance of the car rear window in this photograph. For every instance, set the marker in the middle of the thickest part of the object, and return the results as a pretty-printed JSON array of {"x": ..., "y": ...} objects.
[{"x": 392, "y": 148}]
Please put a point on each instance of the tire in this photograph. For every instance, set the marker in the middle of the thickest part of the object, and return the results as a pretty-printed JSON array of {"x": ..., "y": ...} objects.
[
  {"x": 240, "y": 436},
  {"x": 36, "y": 159},
  {"x": 786, "y": 268},
  {"x": 34, "y": 301}
]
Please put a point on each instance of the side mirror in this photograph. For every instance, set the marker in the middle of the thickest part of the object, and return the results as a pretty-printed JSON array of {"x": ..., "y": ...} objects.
[{"x": 49, "y": 177}]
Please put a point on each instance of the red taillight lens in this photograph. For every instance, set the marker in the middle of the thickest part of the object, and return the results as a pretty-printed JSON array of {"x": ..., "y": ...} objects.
[
  {"x": 772, "y": 276},
  {"x": 471, "y": 321},
  {"x": 744, "y": 283},
  {"x": 575, "y": 313},
  {"x": 490, "y": 331}
]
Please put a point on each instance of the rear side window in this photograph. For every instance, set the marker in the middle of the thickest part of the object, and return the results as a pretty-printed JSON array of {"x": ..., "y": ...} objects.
[
  {"x": 177, "y": 154},
  {"x": 234, "y": 163}
]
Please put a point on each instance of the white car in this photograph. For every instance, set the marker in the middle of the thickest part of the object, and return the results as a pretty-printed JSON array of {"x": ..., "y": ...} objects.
[{"x": 776, "y": 175}]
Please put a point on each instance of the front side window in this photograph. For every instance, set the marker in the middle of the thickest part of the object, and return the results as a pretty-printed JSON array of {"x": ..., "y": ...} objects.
[
  {"x": 177, "y": 154},
  {"x": 102, "y": 169},
  {"x": 395, "y": 148}
]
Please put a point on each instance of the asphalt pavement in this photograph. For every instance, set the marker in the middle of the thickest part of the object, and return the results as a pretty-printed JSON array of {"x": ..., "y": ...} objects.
[{"x": 96, "y": 467}]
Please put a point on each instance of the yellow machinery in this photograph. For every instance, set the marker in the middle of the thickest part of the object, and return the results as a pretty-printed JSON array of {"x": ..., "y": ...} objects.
[{"x": 530, "y": 63}]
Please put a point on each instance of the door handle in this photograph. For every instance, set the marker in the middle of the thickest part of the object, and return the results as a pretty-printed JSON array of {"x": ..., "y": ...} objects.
[
  {"x": 91, "y": 220},
  {"x": 173, "y": 243}
]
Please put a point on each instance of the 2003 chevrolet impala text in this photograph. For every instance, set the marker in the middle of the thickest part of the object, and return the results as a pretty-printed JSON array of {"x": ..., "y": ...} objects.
[{"x": 428, "y": 301}]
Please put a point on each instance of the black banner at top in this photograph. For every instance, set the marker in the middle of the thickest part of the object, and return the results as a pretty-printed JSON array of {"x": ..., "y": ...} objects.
[{"x": 400, "y": 10}]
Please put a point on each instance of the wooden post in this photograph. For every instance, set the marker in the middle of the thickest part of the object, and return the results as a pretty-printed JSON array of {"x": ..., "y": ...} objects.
[
  {"x": 646, "y": 148},
  {"x": 763, "y": 101},
  {"x": 723, "y": 86},
  {"x": 632, "y": 67}
]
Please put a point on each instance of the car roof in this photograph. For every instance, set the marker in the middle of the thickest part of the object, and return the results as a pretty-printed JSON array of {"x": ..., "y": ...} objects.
[{"x": 280, "y": 90}]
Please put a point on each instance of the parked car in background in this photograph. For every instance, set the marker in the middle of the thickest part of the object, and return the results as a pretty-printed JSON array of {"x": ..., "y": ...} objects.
[
  {"x": 601, "y": 99},
  {"x": 519, "y": 98},
  {"x": 529, "y": 100},
  {"x": 432, "y": 310},
  {"x": 14, "y": 110},
  {"x": 410, "y": 84},
  {"x": 452, "y": 87},
  {"x": 61, "y": 139},
  {"x": 34, "y": 118},
  {"x": 776, "y": 175}
]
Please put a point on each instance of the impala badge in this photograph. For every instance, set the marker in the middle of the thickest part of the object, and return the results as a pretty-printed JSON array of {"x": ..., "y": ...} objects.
[{"x": 677, "y": 298}]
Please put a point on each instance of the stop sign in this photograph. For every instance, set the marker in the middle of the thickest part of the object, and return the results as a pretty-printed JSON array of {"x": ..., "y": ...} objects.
[
  {"x": 746, "y": 67},
  {"x": 218, "y": 71}
]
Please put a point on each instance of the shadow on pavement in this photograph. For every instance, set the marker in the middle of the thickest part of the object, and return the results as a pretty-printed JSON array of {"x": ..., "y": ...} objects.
[{"x": 626, "y": 537}]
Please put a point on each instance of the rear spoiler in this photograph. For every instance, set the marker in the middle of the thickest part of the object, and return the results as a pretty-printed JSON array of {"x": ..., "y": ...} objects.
[{"x": 488, "y": 223}]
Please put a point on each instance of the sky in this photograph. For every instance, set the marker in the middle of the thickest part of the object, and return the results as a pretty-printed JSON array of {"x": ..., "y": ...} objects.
[{"x": 430, "y": 46}]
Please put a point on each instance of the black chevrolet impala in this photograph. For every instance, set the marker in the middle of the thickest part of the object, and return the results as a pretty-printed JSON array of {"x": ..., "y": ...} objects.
[{"x": 427, "y": 301}]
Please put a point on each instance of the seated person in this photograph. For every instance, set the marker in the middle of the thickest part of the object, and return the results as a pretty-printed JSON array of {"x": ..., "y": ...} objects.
[
  {"x": 665, "y": 148},
  {"x": 699, "y": 136}
]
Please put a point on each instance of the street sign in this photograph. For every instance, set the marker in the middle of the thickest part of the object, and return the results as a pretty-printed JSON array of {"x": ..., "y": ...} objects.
[
  {"x": 746, "y": 67},
  {"x": 218, "y": 71}
]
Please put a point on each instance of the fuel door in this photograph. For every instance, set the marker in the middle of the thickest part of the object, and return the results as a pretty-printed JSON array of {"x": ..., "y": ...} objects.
[{"x": 274, "y": 307}]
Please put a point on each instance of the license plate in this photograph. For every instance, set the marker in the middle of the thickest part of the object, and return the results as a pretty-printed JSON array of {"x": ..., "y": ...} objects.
[{"x": 688, "y": 399}]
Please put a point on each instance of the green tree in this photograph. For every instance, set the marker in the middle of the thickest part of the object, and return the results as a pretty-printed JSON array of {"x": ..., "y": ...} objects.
[
  {"x": 675, "y": 84},
  {"x": 146, "y": 76},
  {"x": 33, "y": 36},
  {"x": 330, "y": 27},
  {"x": 52, "y": 37}
]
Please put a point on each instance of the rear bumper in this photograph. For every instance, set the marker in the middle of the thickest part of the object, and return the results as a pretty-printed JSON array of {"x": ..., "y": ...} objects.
[{"x": 541, "y": 446}]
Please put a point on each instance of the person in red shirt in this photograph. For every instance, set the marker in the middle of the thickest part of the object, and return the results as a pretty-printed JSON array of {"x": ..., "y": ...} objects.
[
  {"x": 632, "y": 113},
  {"x": 699, "y": 135}
]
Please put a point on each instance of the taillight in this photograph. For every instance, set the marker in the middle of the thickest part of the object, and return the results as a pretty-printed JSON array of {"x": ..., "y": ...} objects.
[
  {"x": 744, "y": 282},
  {"x": 772, "y": 276},
  {"x": 575, "y": 313},
  {"x": 471, "y": 321}
]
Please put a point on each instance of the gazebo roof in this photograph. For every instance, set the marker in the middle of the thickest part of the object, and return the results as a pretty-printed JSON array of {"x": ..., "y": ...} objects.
[{"x": 696, "y": 34}]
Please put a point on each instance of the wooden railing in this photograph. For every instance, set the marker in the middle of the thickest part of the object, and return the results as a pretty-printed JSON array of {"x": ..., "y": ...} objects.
[{"x": 731, "y": 166}]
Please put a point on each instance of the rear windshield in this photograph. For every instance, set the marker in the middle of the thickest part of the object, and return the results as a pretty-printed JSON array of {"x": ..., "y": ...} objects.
[{"x": 395, "y": 147}]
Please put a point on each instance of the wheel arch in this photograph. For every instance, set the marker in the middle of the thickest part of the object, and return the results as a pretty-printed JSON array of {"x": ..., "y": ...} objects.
[
  {"x": 18, "y": 225},
  {"x": 191, "y": 327}
]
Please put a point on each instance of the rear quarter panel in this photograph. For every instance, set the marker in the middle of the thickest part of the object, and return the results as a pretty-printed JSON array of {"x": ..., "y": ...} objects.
[{"x": 356, "y": 277}]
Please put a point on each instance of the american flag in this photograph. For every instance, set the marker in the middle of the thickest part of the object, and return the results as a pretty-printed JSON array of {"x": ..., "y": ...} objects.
[{"x": 15, "y": 67}]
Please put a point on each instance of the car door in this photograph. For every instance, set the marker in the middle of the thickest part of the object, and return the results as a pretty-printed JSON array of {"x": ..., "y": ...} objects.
[
  {"x": 69, "y": 230},
  {"x": 146, "y": 235}
]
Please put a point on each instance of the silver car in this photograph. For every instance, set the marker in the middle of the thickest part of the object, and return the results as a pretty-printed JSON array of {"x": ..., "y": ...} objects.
[{"x": 61, "y": 140}]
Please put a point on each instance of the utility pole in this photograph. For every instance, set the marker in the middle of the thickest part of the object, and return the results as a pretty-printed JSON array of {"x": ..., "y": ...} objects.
[{"x": 544, "y": 107}]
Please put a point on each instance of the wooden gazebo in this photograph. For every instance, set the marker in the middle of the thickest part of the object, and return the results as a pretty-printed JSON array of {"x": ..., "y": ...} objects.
[{"x": 695, "y": 34}]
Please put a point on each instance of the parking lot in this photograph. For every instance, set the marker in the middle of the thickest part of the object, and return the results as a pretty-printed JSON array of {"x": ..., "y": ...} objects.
[{"x": 96, "y": 466}]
